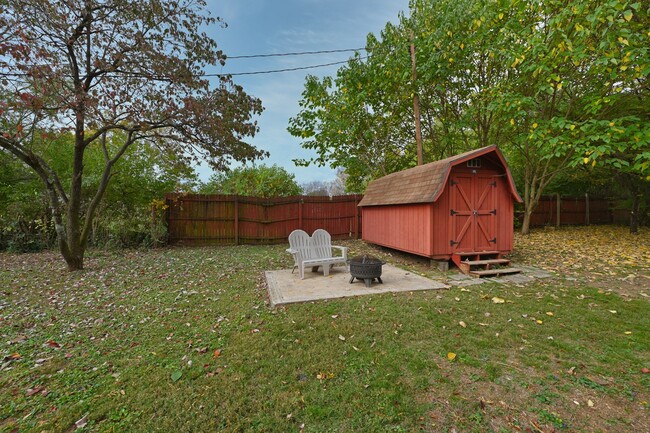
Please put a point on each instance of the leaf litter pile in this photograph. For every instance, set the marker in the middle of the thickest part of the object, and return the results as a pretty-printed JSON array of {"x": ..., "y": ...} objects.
[
  {"x": 183, "y": 339},
  {"x": 604, "y": 256}
]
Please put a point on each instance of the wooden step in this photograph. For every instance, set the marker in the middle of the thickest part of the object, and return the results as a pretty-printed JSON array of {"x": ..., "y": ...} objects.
[
  {"x": 494, "y": 272},
  {"x": 460, "y": 259},
  {"x": 486, "y": 262},
  {"x": 476, "y": 253},
  {"x": 466, "y": 266}
]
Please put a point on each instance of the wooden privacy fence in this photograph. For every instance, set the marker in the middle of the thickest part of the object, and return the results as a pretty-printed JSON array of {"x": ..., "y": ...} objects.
[
  {"x": 195, "y": 219},
  {"x": 556, "y": 210}
]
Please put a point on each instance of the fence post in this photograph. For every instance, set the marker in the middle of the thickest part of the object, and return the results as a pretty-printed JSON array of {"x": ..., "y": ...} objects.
[
  {"x": 587, "y": 208},
  {"x": 356, "y": 216},
  {"x": 300, "y": 203},
  {"x": 236, "y": 204},
  {"x": 558, "y": 204}
]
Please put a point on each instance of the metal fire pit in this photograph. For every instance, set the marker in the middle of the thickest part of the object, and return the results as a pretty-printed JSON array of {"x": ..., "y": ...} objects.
[{"x": 366, "y": 268}]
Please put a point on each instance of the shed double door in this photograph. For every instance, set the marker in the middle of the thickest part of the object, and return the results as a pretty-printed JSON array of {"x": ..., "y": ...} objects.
[{"x": 473, "y": 211}]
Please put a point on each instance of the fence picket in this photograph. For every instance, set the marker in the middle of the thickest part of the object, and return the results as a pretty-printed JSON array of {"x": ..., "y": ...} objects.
[{"x": 197, "y": 219}]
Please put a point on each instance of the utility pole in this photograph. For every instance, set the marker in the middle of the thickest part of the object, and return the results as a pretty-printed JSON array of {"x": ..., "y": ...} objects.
[{"x": 416, "y": 103}]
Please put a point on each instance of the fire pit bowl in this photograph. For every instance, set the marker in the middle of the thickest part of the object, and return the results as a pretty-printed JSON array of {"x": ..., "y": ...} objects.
[{"x": 366, "y": 268}]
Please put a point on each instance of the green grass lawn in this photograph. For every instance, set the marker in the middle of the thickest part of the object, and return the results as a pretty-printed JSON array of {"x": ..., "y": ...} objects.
[{"x": 182, "y": 339}]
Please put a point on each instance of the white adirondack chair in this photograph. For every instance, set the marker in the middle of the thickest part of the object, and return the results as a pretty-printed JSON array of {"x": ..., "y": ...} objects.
[{"x": 314, "y": 251}]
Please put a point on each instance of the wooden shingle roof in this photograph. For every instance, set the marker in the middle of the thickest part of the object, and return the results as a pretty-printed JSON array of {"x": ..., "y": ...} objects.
[{"x": 424, "y": 183}]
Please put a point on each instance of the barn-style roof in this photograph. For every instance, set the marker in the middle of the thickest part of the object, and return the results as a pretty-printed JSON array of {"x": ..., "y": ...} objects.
[{"x": 425, "y": 183}]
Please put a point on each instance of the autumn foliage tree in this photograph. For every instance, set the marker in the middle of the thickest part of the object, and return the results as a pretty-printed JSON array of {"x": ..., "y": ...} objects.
[
  {"x": 556, "y": 84},
  {"x": 108, "y": 70}
]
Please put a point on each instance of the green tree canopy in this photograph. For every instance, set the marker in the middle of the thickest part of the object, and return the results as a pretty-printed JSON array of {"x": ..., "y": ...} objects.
[{"x": 256, "y": 181}]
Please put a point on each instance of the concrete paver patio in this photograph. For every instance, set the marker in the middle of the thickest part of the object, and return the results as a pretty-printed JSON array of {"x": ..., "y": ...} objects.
[{"x": 286, "y": 287}]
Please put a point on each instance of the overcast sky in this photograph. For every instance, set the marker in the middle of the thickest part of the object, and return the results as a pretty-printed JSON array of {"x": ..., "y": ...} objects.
[{"x": 266, "y": 27}]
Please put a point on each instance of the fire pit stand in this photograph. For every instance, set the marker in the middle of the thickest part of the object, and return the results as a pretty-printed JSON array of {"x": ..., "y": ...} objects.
[{"x": 366, "y": 268}]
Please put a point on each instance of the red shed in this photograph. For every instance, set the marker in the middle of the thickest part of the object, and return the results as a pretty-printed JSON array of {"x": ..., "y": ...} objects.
[{"x": 456, "y": 207}]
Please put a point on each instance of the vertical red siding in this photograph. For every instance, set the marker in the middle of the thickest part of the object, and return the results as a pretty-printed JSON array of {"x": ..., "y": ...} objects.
[
  {"x": 441, "y": 226},
  {"x": 426, "y": 229},
  {"x": 406, "y": 227},
  {"x": 505, "y": 218}
]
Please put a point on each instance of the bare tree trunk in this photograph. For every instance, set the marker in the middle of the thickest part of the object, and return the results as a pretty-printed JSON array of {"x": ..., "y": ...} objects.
[
  {"x": 634, "y": 187},
  {"x": 525, "y": 226}
]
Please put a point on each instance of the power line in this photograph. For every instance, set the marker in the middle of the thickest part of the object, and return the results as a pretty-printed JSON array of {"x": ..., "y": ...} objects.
[
  {"x": 272, "y": 71},
  {"x": 298, "y": 53}
]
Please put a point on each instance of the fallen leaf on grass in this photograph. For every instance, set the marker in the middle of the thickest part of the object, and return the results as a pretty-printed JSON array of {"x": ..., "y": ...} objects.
[
  {"x": 549, "y": 313},
  {"x": 539, "y": 322},
  {"x": 497, "y": 300},
  {"x": 451, "y": 356},
  {"x": 81, "y": 422},
  {"x": 463, "y": 324},
  {"x": 645, "y": 370},
  {"x": 217, "y": 353},
  {"x": 590, "y": 403},
  {"x": 176, "y": 375},
  {"x": 342, "y": 338},
  {"x": 18, "y": 339},
  {"x": 627, "y": 332},
  {"x": 36, "y": 390},
  {"x": 215, "y": 372},
  {"x": 612, "y": 311},
  {"x": 52, "y": 343}
]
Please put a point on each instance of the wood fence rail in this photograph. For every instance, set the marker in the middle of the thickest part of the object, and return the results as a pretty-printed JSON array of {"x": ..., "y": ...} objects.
[
  {"x": 557, "y": 210},
  {"x": 198, "y": 219}
]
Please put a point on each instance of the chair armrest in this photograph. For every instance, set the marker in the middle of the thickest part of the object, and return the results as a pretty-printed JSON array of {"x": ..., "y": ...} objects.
[{"x": 344, "y": 250}]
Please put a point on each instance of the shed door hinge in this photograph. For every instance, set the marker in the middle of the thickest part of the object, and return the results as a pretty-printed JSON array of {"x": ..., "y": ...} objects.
[
  {"x": 493, "y": 211},
  {"x": 452, "y": 212},
  {"x": 453, "y": 242},
  {"x": 494, "y": 241},
  {"x": 453, "y": 182},
  {"x": 494, "y": 183}
]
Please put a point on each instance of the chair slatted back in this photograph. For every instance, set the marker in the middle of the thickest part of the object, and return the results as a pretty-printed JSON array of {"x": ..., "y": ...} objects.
[
  {"x": 322, "y": 244},
  {"x": 300, "y": 241}
]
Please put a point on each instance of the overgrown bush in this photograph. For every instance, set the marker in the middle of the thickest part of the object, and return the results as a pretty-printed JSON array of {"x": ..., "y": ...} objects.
[
  {"x": 143, "y": 227},
  {"x": 24, "y": 236},
  {"x": 118, "y": 228}
]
